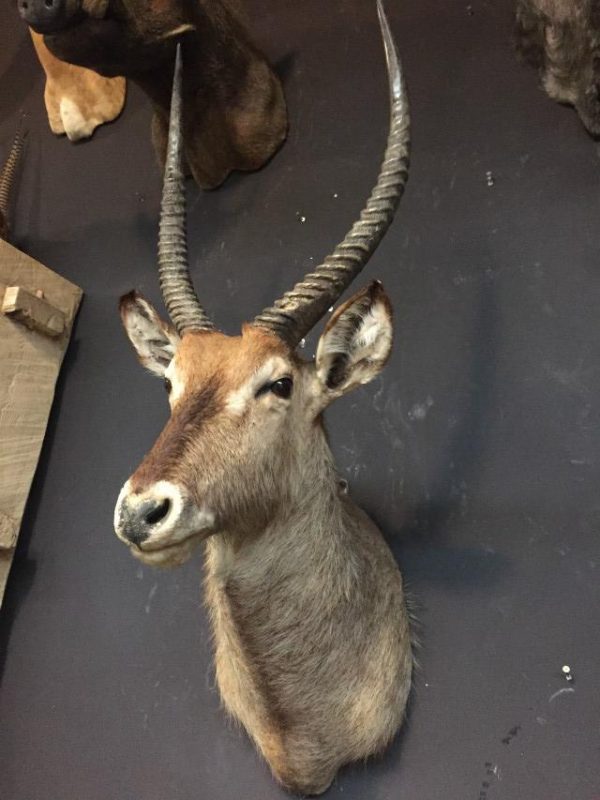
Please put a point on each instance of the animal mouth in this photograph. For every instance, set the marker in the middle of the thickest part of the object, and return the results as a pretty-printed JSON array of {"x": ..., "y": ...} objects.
[
  {"x": 47, "y": 28},
  {"x": 163, "y": 547}
]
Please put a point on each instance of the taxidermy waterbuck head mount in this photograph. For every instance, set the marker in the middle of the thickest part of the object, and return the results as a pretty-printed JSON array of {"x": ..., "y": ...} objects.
[{"x": 240, "y": 447}]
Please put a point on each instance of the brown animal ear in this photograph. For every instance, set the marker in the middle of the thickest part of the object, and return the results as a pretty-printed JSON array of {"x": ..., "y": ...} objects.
[
  {"x": 154, "y": 341},
  {"x": 356, "y": 342}
]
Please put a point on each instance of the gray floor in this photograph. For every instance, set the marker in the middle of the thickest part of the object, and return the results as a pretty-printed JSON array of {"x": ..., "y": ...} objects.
[{"x": 477, "y": 451}]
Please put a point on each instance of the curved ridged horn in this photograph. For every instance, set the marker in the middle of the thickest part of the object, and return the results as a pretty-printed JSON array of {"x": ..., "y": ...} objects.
[
  {"x": 293, "y": 316},
  {"x": 173, "y": 271},
  {"x": 7, "y": 178}
]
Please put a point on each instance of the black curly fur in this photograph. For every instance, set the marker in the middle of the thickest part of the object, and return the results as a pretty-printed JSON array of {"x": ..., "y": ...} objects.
[{"x": 561, "y": 39}]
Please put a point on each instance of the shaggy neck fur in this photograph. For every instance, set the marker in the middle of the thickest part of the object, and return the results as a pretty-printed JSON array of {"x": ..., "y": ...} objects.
[{"x": 312, "y": 507}]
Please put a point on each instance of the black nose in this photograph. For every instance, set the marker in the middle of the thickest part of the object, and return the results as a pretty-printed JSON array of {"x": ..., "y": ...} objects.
[
  {"x": 138, "y": 521},
  {"x": 44, "y": 16}
]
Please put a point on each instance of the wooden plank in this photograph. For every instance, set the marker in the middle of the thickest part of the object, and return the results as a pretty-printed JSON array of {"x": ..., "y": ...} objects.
[
  {"x": 9, "y": 530},
  {"x": 29, "y": 366}
]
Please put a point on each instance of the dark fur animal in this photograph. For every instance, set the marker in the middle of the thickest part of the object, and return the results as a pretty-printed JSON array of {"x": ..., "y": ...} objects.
[
  {"x": 561, "y": 39},
  {"x": 234, "y": 110}
]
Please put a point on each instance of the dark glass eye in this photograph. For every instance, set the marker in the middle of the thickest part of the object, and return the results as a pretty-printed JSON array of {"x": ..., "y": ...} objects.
[
  {"x": 168, "y": 385},
  {"x": 282, "y": 388}
]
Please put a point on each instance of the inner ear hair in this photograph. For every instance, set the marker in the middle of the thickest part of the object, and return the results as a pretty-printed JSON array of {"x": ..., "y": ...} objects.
[
  {"x": 341, "y": 339},
  {"x": 153, "y": 339},
  {"x": 340, "y": 345}
]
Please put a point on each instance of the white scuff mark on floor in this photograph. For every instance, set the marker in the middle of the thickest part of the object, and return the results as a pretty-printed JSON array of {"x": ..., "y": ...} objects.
[
  {"x": 575, "y": 380},
  {"x": 420, "y": 410},
  {"x": 151, "y": 594},
  {"x": 566, "y": 690},
  {"x": 377, "y": 396}
]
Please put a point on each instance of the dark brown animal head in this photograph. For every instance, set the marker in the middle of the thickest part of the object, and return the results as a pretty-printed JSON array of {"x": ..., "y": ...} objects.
[
  {"x": 561, "y": 38},
  {"x": 235, "y": 114},
  {"x": 153, "y": 19},
  {"x": 244, "y": 409},
  {"x": 113, "y": 37},
  {"x": 48, "y": 16}
]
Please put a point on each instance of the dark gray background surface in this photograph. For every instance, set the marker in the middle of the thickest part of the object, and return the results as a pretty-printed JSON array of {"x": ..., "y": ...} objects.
[{"x": 477, "y": 451}]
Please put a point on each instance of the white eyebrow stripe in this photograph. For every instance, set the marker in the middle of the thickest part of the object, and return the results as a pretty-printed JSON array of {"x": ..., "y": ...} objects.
[
  {"x": 177, "y": 384},
  {"x": 238, "y": 399}
]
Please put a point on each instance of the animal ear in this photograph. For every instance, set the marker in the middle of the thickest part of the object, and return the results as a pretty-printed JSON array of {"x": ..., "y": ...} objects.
[
  {"x": 356, "y": 342},
  {"x": 155, "y": 341}
]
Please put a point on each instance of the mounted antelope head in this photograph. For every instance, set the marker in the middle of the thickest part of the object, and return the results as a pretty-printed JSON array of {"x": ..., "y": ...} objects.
[
  {"x": 311, "y": 633},
  {"x": 234, "y": 112}
]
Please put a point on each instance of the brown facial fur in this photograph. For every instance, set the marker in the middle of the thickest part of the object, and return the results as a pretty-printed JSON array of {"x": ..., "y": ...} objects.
[
  {"x": 211, "y": 365},
  {"x": 227, "y": 462}
]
